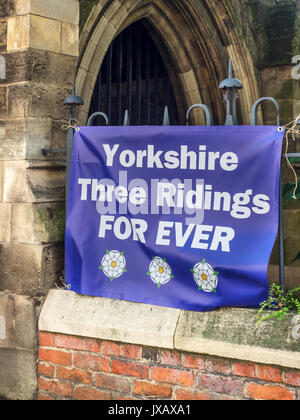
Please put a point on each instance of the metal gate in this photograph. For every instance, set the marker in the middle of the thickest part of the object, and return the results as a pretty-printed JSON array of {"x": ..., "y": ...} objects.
[{"x": 133, "y": 77}]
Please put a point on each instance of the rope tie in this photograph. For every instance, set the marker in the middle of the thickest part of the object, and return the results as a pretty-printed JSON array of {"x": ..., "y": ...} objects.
[
  {"x": 72, "y": 123},
  {"x": 291, "y": 130}
]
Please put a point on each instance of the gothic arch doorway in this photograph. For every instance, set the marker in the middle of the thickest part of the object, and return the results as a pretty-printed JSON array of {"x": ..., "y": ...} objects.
[
  {"x": 133, "y": 78},
  {"x": 195, "y": 40}
]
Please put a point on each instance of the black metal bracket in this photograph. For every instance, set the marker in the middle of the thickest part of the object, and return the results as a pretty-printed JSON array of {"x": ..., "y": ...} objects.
[{"x": 47, "y": 152}]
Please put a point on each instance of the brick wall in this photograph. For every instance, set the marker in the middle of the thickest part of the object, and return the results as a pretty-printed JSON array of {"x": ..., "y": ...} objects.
[{"x": 77, "y": 368}]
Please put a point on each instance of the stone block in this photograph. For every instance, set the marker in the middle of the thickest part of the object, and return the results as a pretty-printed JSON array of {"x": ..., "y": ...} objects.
[
  {"x": 16, "y": 69},
  {"x": 5, "y": 220},
  {"x": 19, "y": 97},
  {"x": 18, "y": 374},
  {"x": 33, "y": 181},
  {"x": 47, "y": 181},
  {"x": 286, "y": 110},
  {"x": 12, "y": 140},
  {"x": 65, "y": 11},
  {"x": 284, "y": 72},
  {"x": 1, "y": 181},
  {"x": 58, "y": 137},
  {"x": 26, "y": 138},
  {"x": 233, "y": 333},
  {"x": 36, "y": 100},
  {"x": 39, "y": 66},
  {"x": 3, "y": 102},
  {"x": 282, "y": 89},
  {"x": 296, "y": 108},
  {"x": 29, "y": 269},
  {"x": 3, "y": 35},
  {"x": 38, "y": 32},
  {"x": 45, "y": 34},
  {"x": 50, "y": 68},
  {"x": 18, "y": 32},
  {"x": 108, "y": 319},
  {"x": 19, "y": 326},
  {"x": 16, "y": 187},
  {"x": 36, "y": 223},
  {"x": 70, "y": 39},
  {"x": 38, "y": 137}
]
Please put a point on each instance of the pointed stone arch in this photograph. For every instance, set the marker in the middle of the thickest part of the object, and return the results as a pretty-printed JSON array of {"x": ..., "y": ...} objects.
[{"x": 195, "y": 40}]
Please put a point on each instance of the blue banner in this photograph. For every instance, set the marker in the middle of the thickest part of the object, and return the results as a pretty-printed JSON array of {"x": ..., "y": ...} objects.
[{"x": 182, "y": 217}]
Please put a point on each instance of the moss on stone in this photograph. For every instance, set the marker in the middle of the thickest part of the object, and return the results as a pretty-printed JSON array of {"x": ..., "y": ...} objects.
[
  {"x": 280, "y": 26},
  {"x": 52, "y": 220},
  {"x": 85, "y": 9}
]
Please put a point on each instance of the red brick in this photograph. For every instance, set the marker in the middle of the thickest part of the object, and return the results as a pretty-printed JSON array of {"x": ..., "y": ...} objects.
[
  {"x": 172, "y": 376},
  {"x": 43, "y": 397},
  {"x": 69, "y": 342},
  {"x": 218, "y": 365},
  {"x": 47, "y": 339},
  {"x": 110, "y": 348},
  {"x": 92, "y": 345},
  {"x": 112, "y": 382},
  {"x": 292, "y": 377},
  {"x": 183, "y": 395},
  {"x": 130, "y": 369},
  {"x": 269, "y": 392},
  {"x": 55, "y": 356},
  {"x": 124, "y": 398},
  {"x": 244, "y": 369},
  {"x": 152, "y": 390},
  {"x": 193, "y": 361},
  {"x": 74, "y": 375},
  {"x": 45, "y": 384},
  {"x": 220, "y": 384},
  {"x": 46, "y": 370},
  {"x": 54, "y": 387},
  {"x": 168, "y": 357},
  {"x": 86, "y": 393},
  {"x": 131, "y": 351},
  {"x": 268, "y": 373},
  {"x": 87, "y": 361}
]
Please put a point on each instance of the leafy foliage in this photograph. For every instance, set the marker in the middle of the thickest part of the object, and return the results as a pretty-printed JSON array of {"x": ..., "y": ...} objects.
[
  {"x": 281, "y": 303},
  {"x": 288, "y": 191},
  {"x": 288, "y": 195}
]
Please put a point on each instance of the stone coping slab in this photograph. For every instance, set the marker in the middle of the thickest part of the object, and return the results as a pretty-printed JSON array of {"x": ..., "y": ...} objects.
[
  {"x": 227, "y": 332},
  {"x": 108, "y": 319}
]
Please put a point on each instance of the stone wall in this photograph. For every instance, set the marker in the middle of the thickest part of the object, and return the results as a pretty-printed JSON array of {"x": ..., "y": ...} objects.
[
  {"x": 95, "y": 353},
  {"x": 78, "y": 368},
  {"x": 261, "y": 37},
  {"x": 271, "y": 32},
  {"x": 39, "y": 42}
]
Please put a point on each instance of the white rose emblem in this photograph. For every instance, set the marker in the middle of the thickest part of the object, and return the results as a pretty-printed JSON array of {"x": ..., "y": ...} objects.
[
  {"x": 113, "y": 264},
  {"x": 205, "y": 277},
  {"x": 160, "y": 271}
]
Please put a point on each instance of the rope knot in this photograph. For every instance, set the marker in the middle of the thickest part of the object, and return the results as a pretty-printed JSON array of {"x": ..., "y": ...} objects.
[
  {"x": 72, "y": 123},
  {"x": 293, "y": 131}
]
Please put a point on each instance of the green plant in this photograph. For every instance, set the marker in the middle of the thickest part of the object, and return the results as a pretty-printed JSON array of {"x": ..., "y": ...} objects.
[
  {"x": 281, "y": 303},
  {"x": 290, "y": 193},
  {"x": 289, "y": 190}
]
